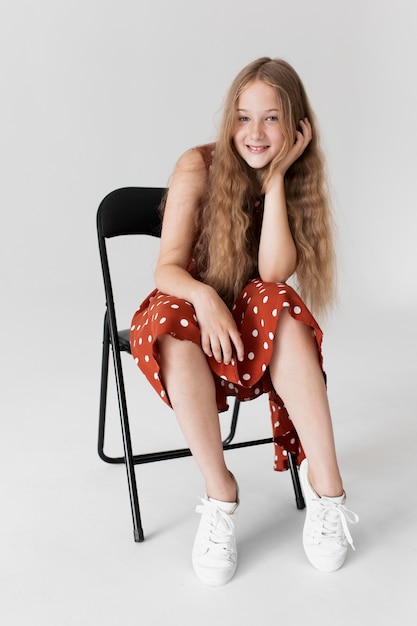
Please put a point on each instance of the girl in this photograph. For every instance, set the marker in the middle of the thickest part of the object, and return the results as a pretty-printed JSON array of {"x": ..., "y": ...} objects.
[{"x": 242, "y": 216}]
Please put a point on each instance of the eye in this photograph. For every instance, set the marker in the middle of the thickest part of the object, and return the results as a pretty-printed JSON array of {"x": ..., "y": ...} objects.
[
  {"x": 272, "y": 118},
  {"x": 243, "y": 118}
]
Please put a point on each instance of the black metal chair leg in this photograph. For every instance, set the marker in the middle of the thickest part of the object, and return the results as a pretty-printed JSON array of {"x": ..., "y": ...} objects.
[
  {"x": 233, "y": 424},
  {"x": 103, "y": 392},
  {"x": 127, "y": 447},
  {"x": 299, "y": 499},
  {"x": 103, "y": 399},
  {"x": 127, "y": 444}
]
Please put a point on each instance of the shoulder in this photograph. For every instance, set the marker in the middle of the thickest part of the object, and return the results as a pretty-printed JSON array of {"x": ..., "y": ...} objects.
[
  {"x": 197, "y": 158},
  {"x": 207, "y": 153},
  {"x": 191, "y": 172},
  {"x": 190, "y": 161}
]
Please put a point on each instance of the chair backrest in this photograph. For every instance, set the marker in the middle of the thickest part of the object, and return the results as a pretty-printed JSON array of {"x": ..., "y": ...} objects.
[
  {"x": 130, "y": 211},
  {"x": 125, "y": 211}
]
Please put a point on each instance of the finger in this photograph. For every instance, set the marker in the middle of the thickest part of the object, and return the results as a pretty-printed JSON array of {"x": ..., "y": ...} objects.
[
  {"x": 205, "y": 344},
  {"x": 226, "y": 347},
  {"x": 216, "y": 350},
  {"x": 305, "y": 125},
  {"x": 238, "y": 344},
  {"x": 299, "y": 138}
]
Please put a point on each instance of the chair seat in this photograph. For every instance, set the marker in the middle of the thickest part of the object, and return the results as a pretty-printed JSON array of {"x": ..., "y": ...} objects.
[{"x": 124, "y": 340}]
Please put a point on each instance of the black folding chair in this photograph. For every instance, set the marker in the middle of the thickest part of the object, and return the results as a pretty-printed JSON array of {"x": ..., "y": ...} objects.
[{"x": 134, "y": 211}]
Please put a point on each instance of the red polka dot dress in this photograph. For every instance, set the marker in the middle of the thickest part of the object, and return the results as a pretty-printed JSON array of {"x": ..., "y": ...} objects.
[{"x": 256, "y": 314}]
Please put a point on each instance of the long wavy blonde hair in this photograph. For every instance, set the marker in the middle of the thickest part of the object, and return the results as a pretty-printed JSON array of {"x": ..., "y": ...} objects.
[{"x": 227, "y": 245}]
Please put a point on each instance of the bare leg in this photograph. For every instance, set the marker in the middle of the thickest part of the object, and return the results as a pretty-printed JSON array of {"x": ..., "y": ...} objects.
[
  {"x": 190, "y": 385},
  {"x": 297, "y": 376}
]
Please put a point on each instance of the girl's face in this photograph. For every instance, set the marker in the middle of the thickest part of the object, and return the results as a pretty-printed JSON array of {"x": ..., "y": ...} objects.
[{"x": 257, "y": 136}]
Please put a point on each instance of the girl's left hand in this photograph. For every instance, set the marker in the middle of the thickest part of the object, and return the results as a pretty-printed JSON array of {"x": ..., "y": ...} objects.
[{"x": 302, "y": 139}]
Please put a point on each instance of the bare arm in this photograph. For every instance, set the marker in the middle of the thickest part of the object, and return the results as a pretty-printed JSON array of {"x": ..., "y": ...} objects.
[
  {"x": 218, "y": 329},
  {"x": 277, "y": 256},
  {"x": 186, "y": 190}
]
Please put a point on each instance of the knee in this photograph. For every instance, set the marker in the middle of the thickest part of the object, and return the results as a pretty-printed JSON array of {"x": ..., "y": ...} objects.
[
  {"x": 292, "y": 330},
  {"x": 174, "y": 350},
  {"x": 286, "y": 323}
]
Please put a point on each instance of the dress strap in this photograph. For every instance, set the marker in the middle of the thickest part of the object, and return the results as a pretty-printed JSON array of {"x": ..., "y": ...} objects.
[{"x": 207, "y": 152}]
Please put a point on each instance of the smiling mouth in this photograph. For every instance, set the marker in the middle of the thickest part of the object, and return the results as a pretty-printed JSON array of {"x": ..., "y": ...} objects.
[{"x": 257, "y": 148}]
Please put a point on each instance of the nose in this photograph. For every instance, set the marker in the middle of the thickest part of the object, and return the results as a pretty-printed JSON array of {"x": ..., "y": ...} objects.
[{"x": 256, "y": 129}]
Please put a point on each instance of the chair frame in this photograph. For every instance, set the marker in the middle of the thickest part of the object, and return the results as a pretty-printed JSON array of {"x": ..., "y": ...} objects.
[{"x": 137, "y": 214}]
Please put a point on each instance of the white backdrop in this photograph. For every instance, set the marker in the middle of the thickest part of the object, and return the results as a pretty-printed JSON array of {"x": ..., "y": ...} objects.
[{"x": 98, "y": 94}]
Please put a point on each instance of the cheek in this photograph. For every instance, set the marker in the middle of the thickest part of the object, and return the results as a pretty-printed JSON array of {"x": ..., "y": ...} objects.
[
  {"x": 237, "y": 135},
  {"x": 237, "y": 139},
  {"x": 280, "y": 140}
]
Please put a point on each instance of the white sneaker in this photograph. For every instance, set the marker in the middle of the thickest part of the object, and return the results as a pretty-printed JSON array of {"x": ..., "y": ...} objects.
[
  {"x": 214, "y": 553},
  {"x": 326, "y": 534}
]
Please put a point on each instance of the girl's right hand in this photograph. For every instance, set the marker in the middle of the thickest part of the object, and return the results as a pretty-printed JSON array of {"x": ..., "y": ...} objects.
[{"x": 219, "y": 334}]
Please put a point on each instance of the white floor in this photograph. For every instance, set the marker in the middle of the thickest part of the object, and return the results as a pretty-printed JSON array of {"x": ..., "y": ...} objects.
[{"x": 67, "y": 555}]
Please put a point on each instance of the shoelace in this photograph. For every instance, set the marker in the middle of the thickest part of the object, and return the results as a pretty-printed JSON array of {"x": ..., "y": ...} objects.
[
  {"x": 220, "y": 526},
  {"x": 331, "y": 515}
]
